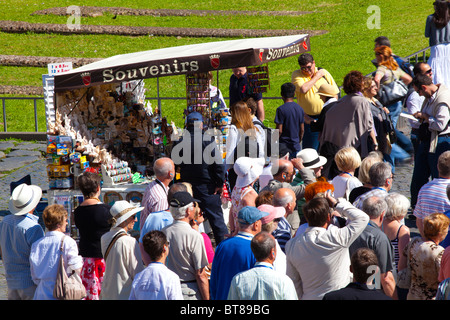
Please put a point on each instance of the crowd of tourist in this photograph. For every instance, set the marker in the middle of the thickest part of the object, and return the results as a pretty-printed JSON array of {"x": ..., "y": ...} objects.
[{"x": 311, "y": 218}]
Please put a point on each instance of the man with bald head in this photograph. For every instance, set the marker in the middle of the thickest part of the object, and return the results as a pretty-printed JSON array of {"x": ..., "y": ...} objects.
[
  {"x": 285, "y": 197},
  {"x": 155, "y": 195},
  {"x": 283, "y": 179}
]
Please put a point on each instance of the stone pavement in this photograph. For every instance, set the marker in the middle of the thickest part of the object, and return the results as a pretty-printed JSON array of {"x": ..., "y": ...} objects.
[
  {"x": 18, "y": 159},
  {"x": 27, "y": 158}
]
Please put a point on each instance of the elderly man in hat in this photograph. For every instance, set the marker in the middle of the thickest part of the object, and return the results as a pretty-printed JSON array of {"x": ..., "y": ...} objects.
[
  {"x": 121, "y": 253},
  {"x": 309, "y": 165},
  {"x": 18, "y": 231},
  {"x": 204, "y": 170},
  {"x": 329, "y": 95},
  {"x": 234, "y": 254},
  {"x": 187, "y": 256}
]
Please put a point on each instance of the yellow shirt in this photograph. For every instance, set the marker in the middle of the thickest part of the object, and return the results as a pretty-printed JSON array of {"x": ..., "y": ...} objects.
[{"x": 310, "y": 101}]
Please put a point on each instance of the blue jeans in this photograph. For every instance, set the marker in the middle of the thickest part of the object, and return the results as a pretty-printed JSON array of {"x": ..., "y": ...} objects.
[
  {"x": 425, "y": 165},
  {"x": 211, "y": 205},
  {"x": 401, "y": 150},
  {"x": 397, "y": 154},
  {"x": 394, "y": 112},
  {"x": 404, "y": 142},
  {"x": 310, "y": 138}
]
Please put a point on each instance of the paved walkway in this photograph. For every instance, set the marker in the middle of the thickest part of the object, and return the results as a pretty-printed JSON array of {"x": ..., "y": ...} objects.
[{"x": 25, "y": 163}]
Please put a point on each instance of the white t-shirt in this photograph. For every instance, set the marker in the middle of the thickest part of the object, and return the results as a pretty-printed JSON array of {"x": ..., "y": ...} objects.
[{"x": 340, "y": 185}]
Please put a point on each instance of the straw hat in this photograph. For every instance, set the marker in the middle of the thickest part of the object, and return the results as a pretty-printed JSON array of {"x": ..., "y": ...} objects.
[
  {"x": 311, "y": 158},
  {"x": 24, "y": 199},
  {"x": 247, "y": 170},
  {"x": 328, "y": 90},
  {"x": 121, "y": 211}
]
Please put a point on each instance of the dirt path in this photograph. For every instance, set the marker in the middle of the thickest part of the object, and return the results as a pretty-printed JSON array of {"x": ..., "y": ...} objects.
[
  {"x": 87, "y": 11},
  {"x": 24, "y": 27}
]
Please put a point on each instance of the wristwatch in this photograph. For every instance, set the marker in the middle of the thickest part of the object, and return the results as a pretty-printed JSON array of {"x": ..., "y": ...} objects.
[{"x": 337, "y": 201}]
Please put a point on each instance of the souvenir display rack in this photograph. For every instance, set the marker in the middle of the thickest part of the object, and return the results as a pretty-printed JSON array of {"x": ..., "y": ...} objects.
[
  {"x": 198, "y": 98},
  {"x": 258, "y": 78}
]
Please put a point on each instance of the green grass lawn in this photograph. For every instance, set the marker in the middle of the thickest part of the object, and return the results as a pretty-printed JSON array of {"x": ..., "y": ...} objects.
[{"x": 347, "y": 46}]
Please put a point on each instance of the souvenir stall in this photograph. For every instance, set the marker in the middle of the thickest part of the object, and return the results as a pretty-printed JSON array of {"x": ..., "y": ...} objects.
[{"x": 98, "y": 118}]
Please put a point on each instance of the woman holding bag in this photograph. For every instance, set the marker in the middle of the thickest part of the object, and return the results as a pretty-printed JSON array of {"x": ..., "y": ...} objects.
[
  {"x": 45, "y": 253},
  {"x": 425, "y": 255},
  {"x": 387, "y": 72}
]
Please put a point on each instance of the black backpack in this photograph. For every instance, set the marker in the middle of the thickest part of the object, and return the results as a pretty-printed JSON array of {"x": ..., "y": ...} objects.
[
  {"x": 270, "y": 145},
  {"x": 250, "y": 147}
]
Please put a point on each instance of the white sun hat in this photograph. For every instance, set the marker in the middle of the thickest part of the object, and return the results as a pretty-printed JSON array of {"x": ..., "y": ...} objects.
[
  {"x": 247, "y": 170},
  {"x": 24, "y": 198},
  {"x": 311, "y": 158},
  {"x": 121, "y": 211}
]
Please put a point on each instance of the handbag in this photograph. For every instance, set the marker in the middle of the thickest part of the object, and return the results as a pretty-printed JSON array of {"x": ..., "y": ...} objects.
[
  {"x": 67, "y": 287},
  {"x": 423, "y": 133},
  {"x": 392, "y": 92},
  {"x": 404, "y": 275}
]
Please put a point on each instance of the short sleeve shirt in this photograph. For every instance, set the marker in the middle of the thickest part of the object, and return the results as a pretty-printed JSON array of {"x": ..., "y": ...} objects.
[
  {"x": 310, "y": 101},
  {"x": 239, "y": 89},
  {"x": 187, "y": 251},
  {"x": 291, "y": 116},
  {"x": 374, "y": 238},
  {"x": 388, "y": 75}
]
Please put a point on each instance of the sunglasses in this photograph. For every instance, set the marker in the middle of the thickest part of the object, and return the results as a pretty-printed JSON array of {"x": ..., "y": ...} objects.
[
  {"x": 428, "y": 71},
  {"x": 306, "y": 68}
]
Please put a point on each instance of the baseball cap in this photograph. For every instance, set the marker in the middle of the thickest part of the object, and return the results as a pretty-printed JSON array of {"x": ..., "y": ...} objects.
[
  {"x": 250, "y": 215},
  {"x": 274, "y": 212},
  {"x": 194, "y": 116},
  {"x": 181, "y": 199}
]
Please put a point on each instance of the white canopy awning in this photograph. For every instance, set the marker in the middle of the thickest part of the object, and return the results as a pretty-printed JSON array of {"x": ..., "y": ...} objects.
[{"x": 180, "y": 60}]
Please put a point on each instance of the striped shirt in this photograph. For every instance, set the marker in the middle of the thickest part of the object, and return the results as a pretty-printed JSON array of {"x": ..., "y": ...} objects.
[
  {"x": 374, "y": 192},
  {"x": 282, "y": 233},
  {"x": 17, "y": 234},
  {"x": 154, "y": 200},
  {"x": 432, "y": 198}
]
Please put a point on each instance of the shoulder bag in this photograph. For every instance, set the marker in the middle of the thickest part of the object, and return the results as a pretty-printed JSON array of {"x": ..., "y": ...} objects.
[
  {"x": 404, "y": 275},
  {"x": 392, "y": 92},
  {"x": 67, "y": 287},
  {"x": 117, "y": 236}
]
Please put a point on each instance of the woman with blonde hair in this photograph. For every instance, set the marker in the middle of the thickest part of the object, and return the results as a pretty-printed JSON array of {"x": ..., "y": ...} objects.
[
  {"x": 45, "y": 253},
  {"x": 388, "y": 70},
  {"x": 347, "y": 160},
  {"x": 425, "y": 254},
  {"x": 363, "y": 174}
]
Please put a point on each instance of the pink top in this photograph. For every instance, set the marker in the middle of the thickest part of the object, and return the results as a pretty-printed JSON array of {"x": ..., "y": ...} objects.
[{"x": 208, "y": 247}]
